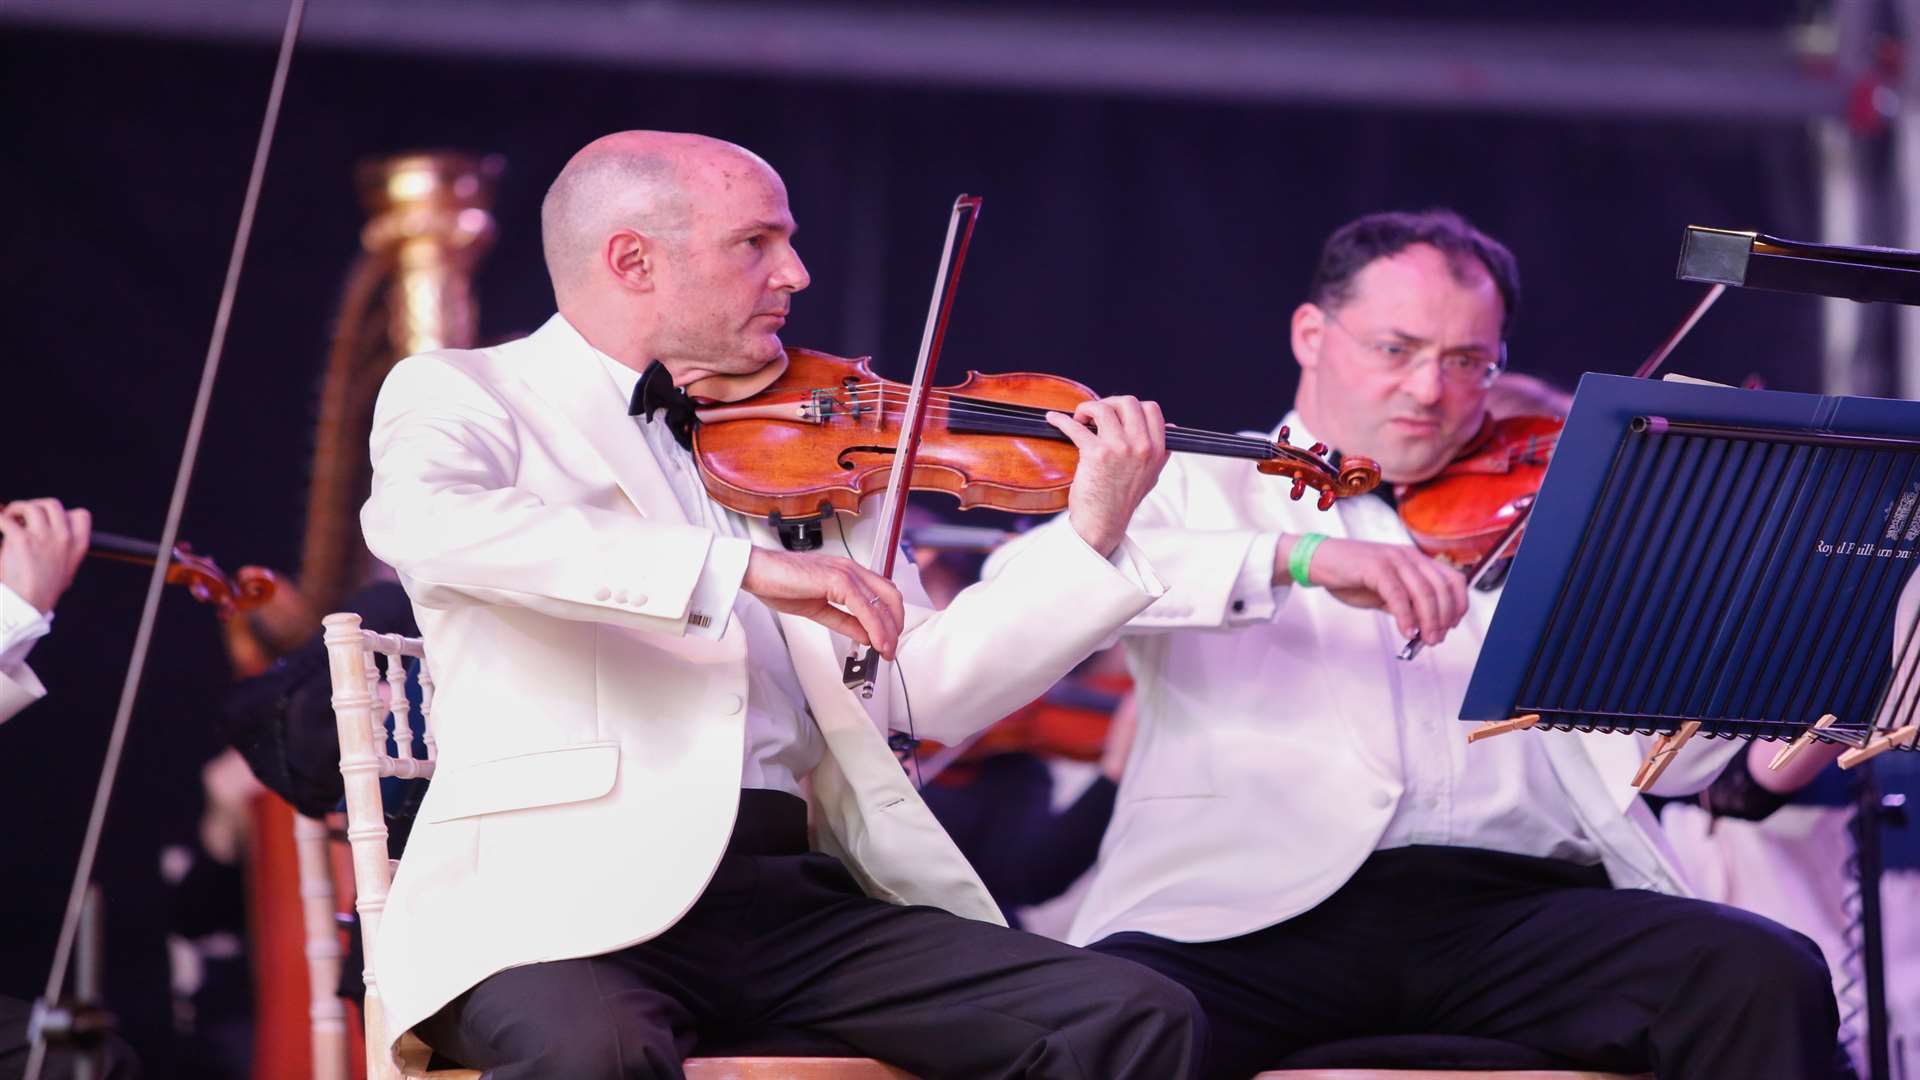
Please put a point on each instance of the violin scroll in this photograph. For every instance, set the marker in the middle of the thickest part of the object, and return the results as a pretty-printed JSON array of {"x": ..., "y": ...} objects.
[
  {"x": 203, "y": 579},
  {"x": 1310, "y": 468}
]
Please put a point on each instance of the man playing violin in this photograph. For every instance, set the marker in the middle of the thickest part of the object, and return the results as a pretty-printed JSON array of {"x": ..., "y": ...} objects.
[
  {"x": 1303, "y": 836},
  {"x": 637, "y": 691}
]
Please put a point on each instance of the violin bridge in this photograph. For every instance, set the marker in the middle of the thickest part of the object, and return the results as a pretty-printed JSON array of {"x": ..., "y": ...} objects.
[
  {"x": 1662, "y": 753},
  {"x": 1806, "y": 738},
  {"x": 1500, "y": 727}
]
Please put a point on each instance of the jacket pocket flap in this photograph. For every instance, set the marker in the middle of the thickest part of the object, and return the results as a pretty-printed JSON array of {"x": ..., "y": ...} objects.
[{"x": 523, "y": 781}]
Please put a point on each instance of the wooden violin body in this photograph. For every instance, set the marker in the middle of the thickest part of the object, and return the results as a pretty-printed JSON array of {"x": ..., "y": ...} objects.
[
  {"x": 822, "y": 437},
  {"x": 1458, "y": 515}
]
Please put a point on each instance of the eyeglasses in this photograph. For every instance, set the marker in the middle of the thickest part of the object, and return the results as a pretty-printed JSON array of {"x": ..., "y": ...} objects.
[{"x": 1399, "y": 358}]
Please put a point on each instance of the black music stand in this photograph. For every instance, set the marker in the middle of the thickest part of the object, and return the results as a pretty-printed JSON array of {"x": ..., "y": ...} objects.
[{"x": 1720, "y": 562}]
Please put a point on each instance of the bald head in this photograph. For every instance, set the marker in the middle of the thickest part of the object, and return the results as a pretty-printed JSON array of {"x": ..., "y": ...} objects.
[
  {"x": 676, "y": 248},
  {"x": 640, "y": 180}
]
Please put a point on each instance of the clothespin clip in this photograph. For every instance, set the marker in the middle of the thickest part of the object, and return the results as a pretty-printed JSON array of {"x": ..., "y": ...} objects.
[
  {"x": 1500, "y": 727},
  {"x": 1806, "y": 738},
  {"x": 1880, "y": 745},
  {"x": 1661, "y": 756}
]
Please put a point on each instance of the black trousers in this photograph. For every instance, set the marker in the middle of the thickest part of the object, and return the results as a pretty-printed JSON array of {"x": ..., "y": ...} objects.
[
  {"x": 1453, "y": 941},
  {"x": 784, "y": 938}
]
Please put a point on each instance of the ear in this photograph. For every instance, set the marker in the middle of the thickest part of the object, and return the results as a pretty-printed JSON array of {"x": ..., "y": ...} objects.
[
  {"x": 1309, "y": 332},
  {"x": 631, "y": 257}
]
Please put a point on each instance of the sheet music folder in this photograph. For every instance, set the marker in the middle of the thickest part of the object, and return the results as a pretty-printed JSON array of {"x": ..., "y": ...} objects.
[{"x": 1735, "y": 557}]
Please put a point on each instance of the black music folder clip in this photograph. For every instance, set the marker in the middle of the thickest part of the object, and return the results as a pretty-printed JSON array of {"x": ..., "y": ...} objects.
[{"x": 1732, "y": 563}]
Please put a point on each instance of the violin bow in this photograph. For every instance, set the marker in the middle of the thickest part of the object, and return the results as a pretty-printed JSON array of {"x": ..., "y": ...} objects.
[
  {"x": 169, "y": 535},
  {"x": 859, "y": 670},
  {"x": 1479, "y": 571}
]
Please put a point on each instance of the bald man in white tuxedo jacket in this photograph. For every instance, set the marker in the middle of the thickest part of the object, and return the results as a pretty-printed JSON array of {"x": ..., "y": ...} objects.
[{"x": 634, "y": 687}]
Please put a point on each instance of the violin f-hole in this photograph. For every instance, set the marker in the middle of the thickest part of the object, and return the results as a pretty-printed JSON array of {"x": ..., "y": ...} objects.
[{"x": 842, "y": 461}]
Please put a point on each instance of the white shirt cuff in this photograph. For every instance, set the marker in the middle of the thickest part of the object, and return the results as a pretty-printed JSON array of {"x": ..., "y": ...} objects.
[
  {"x": 711, "y": 604},
  {"x": 1254, "y": 593},
  {"x": 21, "y": 624}
]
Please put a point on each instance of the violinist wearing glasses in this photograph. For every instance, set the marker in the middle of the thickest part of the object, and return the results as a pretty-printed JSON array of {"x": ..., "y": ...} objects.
[
  {"x": 634, "y": 684},
  {"x": 1303, "y": 836}
]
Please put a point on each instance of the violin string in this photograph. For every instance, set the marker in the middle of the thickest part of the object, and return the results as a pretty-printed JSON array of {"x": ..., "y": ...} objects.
[
  {"x": 976, "y": 407},
  {"x": 980, "y": 407},
  {"x": 1179, "y": 438},
  {"x": 865, "y": 392}
]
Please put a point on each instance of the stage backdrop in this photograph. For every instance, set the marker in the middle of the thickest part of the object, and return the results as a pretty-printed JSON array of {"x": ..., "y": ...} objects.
[{"x": 1151, "y": 248}]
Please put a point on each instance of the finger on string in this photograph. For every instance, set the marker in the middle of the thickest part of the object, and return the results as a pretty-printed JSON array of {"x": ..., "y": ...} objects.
[
  {"x": 1131, "y": 418},
  {"x": 1156, "y": 425},
  {"x": 1073, "y": 430},
  {"x": 1099, "y": 416}
]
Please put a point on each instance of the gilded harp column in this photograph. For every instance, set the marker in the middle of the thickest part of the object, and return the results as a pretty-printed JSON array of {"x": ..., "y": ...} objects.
[{"x": 430, "y": 223}]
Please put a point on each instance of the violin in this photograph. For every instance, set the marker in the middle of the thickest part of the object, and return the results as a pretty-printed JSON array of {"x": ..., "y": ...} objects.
[
  {"x": 822, "y": 436},
  {"x": 244, "y": 591},
  {"x": 1461, "y": 513}
]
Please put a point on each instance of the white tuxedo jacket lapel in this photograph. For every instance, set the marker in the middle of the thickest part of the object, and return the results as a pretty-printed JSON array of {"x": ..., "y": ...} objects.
[{"x": 573, "y": 381}]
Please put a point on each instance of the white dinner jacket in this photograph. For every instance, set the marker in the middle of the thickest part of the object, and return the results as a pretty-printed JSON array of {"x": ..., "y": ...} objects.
[
  {"x": 1268, "y": 763},
  {"x": 19, "y": 690},
  {"x": 590, "y": 750}
]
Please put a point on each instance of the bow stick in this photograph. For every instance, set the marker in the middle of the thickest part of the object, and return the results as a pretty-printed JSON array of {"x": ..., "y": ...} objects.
[
  {"x": 859, "y": 670},
  {"x": 169, "y": 534}
]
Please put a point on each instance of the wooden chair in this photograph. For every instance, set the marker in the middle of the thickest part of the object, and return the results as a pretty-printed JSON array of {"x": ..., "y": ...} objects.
[{"x": 360, "y": 717}]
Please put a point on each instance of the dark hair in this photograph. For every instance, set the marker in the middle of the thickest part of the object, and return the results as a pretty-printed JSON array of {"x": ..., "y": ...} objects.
[{"x": 1359, "y": 242}]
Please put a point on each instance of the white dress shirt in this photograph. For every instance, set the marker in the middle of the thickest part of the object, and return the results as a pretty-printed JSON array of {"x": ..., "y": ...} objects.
[
  {"x": 1281, "y": 742},
  {"x": 783, "y": 744},
  {"x": 21, "y": 624},
  {"x": 1500, "y": 794}
]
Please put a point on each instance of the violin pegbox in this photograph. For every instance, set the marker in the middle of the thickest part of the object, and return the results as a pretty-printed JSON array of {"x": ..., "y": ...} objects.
[{"x": 1310, "y": 468}]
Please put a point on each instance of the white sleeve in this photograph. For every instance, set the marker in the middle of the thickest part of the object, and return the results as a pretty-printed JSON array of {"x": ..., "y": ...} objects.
[
  {"x": 21, "y": 624},
  {"x": 445, "y": 513}
]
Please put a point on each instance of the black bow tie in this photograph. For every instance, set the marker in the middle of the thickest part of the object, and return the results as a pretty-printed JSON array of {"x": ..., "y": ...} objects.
[{"x": 655, "y": 390}]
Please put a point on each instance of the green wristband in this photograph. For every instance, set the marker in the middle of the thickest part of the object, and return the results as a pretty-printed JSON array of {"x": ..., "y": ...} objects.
[{"x": 1302, "y": 557}]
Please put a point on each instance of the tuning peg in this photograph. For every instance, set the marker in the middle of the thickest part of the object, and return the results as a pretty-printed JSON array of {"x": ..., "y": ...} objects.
[
  {"x": 1284, "y": 433},
  {"x": 1299, "y": 487},
  {"x": 1326, "y": 499},
  {"x": 1318, "y": 449}
]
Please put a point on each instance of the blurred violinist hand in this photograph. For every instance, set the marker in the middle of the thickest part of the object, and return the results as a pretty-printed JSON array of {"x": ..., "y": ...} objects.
[{"x": 41, "y": 545}]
